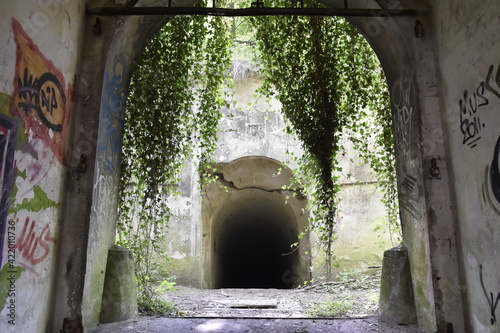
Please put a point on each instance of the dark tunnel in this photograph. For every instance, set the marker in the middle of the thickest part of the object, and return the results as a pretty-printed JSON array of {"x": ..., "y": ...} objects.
[{"x": 252, "y": 249}]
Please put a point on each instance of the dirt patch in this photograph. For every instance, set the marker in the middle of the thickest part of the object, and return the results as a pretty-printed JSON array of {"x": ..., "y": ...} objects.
[
  {"x": 349, "y": 306},
  {"x": 353, "y": 298},
  {"x": 329, "y": 301}
]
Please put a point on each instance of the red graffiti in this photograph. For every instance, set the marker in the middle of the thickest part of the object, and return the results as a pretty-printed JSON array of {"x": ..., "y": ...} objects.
[
  {"x": 33, "y": 247},
  {"x": 41, "y": 97}
]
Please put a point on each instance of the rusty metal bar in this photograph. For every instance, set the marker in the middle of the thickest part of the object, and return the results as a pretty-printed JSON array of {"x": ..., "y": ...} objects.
[{"x": 346, "y": 12}]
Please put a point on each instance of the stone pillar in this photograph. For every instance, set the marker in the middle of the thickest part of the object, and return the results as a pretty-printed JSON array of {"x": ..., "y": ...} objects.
[
  {"x": 119, "y": 299},
  {"x": 396, "y": 301}
]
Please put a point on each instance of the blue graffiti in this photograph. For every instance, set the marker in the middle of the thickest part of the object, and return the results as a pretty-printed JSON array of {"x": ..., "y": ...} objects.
[{"x": 111, "y": 118}]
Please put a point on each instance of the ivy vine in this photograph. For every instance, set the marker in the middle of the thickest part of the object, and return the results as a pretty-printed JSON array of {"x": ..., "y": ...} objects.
[
  {"x": 320, "y": 68},
  {"x": 327, "y": 78},
  {"x": 175, "y": 96}
]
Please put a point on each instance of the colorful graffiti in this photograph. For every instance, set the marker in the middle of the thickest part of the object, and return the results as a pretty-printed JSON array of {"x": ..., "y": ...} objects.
[
  {"x": 34, "y": 118},
  {"x": 111, "y": 119},
  {"x": 41, "y": 97}
]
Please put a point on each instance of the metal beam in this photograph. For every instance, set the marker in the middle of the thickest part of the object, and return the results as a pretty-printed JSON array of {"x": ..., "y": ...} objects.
[{"x": 262, "y": 11}]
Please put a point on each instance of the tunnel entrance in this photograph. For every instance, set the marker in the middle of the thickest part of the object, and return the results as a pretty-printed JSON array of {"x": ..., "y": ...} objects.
[
  {"x": 250, "y": 222},
  {"x": 252, "y": 249}
]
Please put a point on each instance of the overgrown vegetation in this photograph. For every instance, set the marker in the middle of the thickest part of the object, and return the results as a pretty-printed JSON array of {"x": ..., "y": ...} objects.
[
  {"x": 174, "y": 100},
  {"x": 354, "y": 292},
  {"x": 320, "y": 68},
  {"x": 335, "y": 308},
  {"x": 327, "y": 78}
]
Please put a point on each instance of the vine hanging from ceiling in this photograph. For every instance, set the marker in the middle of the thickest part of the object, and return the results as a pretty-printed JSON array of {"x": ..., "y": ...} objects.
[{"x": 321, "y": 69}]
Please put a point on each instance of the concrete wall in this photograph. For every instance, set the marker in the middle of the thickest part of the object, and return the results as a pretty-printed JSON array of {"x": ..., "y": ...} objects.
[
  {"x": 66, "y": 153},
  {"x": 40, "y": 43},
  {"x": 466, "y": 38},
  {"x": 254, "y": 127}
]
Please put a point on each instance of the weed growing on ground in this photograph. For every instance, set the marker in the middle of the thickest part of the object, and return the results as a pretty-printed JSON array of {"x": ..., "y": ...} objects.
[
  {"x": 156, "y": 306},
  {"x": 331, "y": 308}
]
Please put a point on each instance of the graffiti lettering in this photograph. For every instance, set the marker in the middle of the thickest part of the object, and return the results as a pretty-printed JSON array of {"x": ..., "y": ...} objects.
[
  {"x": 497, "y": 80},
  {"x": 470, "y": 124},
  {"x": 34, "y": 247},
  {"x": 40, "y": 95},
  {"x": 111, "y": 119},
  {"x": 401, "y": 97},
  {"x": 43, "y": 95},
  {"x": 492, "y": 301}
]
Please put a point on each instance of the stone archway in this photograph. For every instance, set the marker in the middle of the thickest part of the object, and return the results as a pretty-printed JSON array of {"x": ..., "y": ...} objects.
[
  {"x": 106, "y": 65},
  {"x": 249, "y": 224}
]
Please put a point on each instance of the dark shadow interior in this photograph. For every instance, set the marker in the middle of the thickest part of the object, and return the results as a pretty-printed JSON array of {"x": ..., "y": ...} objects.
[{"x": 251, "y": 250}]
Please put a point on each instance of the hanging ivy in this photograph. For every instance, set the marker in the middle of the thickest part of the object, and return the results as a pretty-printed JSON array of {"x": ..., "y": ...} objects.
[
  {"x": 320, "y": 68},
  {"x": 175, "y": 96},
  {"x": 327, "y": 79}
]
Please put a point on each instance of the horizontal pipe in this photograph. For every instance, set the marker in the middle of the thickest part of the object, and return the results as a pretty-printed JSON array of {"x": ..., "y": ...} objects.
[{"x": 262, "y": 11}]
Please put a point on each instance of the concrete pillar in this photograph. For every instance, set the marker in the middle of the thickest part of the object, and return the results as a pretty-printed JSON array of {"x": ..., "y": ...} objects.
[
  {"x": 396, "y": 301},
  {"x": 119, "y": 299}
]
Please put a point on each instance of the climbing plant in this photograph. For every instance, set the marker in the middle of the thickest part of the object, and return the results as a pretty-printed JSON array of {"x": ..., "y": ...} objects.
[
  {"x": 174, "y": 101},
  {"x": 327, "y": 78},
  {"x": 321, "y": 70}
]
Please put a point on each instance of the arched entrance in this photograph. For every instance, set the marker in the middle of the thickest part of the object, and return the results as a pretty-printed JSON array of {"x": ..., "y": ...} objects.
[
  {"x": 250, "y": 224},
  {"x": 428, "y": 222}
]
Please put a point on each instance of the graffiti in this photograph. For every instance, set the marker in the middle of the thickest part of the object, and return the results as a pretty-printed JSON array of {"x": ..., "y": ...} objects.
[
  {"x": 470, "y": 123},
  {"x": 495, "y": 172},
  {"x": 469, "y": 106},
  {"x": 409, "y": 182},
  {"x": 492, "y": 301},
  {"x": 492, "y": 180},
  {"x": 497, "y": 80},
  {"x": 43, "y": 95},
  {"x": 407, "y": 201},
  {"x": 40, "y": 93},
  {"x": 8, "y": 130},
  {"x": 38, "y": 202},
  {"x": 402, "y": 99},
  {"x": 32, "y": 246},
  {"x": 111, "y": 119}
]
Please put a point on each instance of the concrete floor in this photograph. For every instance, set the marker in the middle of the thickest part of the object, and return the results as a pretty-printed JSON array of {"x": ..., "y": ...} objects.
[{"x": 239, "y": 325}]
